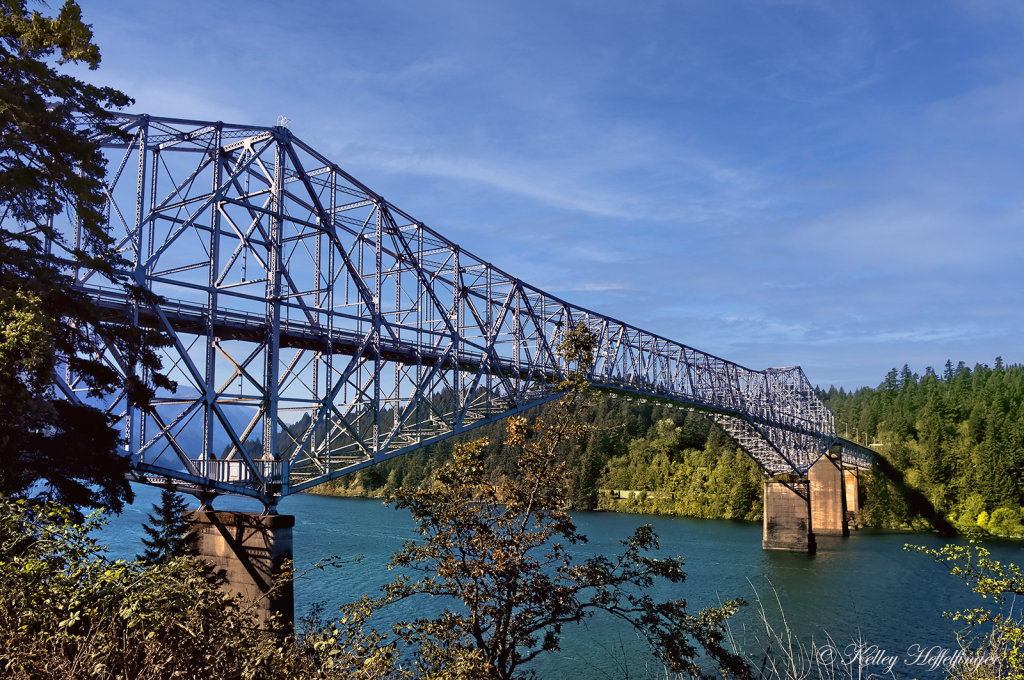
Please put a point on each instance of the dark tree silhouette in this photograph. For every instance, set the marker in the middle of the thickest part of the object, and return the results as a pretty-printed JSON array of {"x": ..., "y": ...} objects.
[
  {"x": 53, "y": 447},
  {"x": 170, "y": 534}
]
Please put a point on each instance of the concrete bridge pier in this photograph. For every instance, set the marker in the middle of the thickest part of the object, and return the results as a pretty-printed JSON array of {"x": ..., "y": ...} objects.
[
  {"x": 787, "y": 516},
  {"x": 851, "y": 482},
  {"x": 250, "y": 550},
  {"x": 828, "y": 497}
]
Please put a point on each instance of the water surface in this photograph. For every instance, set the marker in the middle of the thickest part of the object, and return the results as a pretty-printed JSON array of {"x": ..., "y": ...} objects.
[{"x": 865, "y": 587}]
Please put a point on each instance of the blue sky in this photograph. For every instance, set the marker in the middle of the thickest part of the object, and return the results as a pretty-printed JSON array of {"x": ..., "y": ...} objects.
[{"x": 838, "y": 185}]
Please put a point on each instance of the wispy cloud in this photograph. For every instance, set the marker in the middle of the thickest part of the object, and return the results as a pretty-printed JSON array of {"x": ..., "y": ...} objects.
[{"x": 833, "y": 185}]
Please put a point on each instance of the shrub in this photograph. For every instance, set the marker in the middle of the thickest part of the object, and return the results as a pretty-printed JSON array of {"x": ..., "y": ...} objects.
[
  {"x": 1001, "y": 653},
  {"x": 67, "y": 611}
]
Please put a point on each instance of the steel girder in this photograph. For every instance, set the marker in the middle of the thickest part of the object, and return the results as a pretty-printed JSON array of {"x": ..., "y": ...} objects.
[
  {"x": 318, "y": 329},
  {"x": 854, "y": 455}
]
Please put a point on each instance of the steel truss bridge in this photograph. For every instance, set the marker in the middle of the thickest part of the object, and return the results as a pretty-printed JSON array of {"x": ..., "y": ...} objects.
[{"x": 318, "y": 329}]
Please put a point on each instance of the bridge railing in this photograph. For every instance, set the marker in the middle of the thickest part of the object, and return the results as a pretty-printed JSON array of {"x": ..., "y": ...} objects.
[
  {"x": 856, "y": 456},
  {"x": 238, "y": 472}
]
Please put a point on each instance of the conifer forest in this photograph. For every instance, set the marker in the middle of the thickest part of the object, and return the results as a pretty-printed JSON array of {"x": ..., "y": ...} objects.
[{"x": 949, "y": 445}]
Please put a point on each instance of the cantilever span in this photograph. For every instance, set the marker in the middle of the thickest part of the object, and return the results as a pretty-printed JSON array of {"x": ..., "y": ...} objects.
[{"x": 317, "y": 328}]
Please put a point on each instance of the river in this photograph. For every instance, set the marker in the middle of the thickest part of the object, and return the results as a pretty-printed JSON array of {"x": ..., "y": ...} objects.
[{"x": 865, "y": 587}]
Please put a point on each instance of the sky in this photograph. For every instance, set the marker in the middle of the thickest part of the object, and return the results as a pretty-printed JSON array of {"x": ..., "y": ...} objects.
[{"x": 835, "y": 185}]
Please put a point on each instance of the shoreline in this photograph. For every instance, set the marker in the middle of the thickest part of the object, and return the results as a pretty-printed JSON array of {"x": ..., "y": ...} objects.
[{"x": 649, "y": 507}]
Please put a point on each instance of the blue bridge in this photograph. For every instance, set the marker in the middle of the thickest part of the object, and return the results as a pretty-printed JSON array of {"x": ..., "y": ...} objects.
[{"x": 318, "y": 329}]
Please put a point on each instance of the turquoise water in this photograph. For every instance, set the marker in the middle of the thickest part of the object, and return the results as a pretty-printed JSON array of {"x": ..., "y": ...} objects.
[{"x": 863, "y": 587}]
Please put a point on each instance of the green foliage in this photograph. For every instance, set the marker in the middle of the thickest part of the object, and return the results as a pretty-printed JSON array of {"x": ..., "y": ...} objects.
[
  {"x": 47, "y": 159},
  {"x": 1006, "y": 522},
  {"x": 50, "y": 162},
  {"x": 501, "y": 554},
  {"x": 951, "y": 446},
  {"x": 1001, "y": 653},
  {"x": 67, "y": 612},
  {"x": 688, "y": 466},
  {"x": 170, "y": 533},
  {"x": 717, "y": 481}
]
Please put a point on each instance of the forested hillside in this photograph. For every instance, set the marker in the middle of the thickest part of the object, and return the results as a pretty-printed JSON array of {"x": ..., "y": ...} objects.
[
  {"x": 955, "y": 437},
  {"x": 681, "y": 462},
  {"x": 951, "y": 448}
]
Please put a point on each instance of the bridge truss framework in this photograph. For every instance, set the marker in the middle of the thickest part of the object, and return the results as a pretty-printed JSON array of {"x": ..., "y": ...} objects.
[{"x": 318, "y": 329}]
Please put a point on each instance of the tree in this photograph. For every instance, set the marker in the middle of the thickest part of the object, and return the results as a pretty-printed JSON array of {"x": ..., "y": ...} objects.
[
  {"x": 56, "y": 446},
  {"x": 170, "y": 534},
  {"x": 500, "y": 553},
  {"x": 68, "y": 611}
]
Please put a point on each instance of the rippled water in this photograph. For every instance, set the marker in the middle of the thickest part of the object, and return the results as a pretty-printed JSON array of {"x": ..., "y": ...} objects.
[{"x": 863, "y": 587}]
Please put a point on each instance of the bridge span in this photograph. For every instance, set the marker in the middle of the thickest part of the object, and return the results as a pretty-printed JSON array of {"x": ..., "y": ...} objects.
[{"x": 317, "y": 328}]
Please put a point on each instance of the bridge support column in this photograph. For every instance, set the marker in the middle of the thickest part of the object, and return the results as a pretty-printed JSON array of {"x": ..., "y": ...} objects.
[
  {"x": 250, "y": 550},
  {"x": 851, "y": 482},
  {"x": 828, "y": 507},
  {"x": 787, "y": 516}
]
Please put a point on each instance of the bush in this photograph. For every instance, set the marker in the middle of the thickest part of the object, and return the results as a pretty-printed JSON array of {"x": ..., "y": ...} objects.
[
  {"x": 1006, "y": 522},
  {"x": 1001, "y": 653},
  {"x": 66, "y": 611}
]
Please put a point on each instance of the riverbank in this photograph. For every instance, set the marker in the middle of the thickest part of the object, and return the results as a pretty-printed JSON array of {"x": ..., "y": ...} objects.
[
  {"x": 638, "y": 503},
  {"x": 659, "y": 503},
  {"x": 668, "y": 477}
]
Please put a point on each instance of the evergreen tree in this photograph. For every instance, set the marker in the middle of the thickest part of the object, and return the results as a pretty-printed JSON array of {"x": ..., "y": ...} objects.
[
  {"x": 170, "y": 534},
  {"x": 51, "y": 447},
  {"x": 957, "y": 441}
]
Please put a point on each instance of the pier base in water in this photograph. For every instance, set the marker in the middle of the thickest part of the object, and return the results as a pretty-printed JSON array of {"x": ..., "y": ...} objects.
[
  {"x": 828, "y": 506},
  {"x": 787, "y": 516},
  {"x": 251, "y": 550}
]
